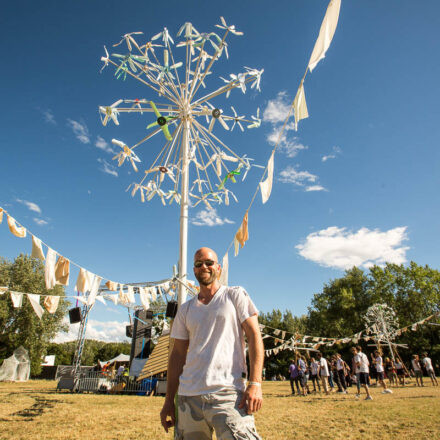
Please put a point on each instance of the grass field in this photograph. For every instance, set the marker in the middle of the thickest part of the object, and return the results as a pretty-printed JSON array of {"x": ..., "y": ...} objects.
[{"x": 34, "y": 410}]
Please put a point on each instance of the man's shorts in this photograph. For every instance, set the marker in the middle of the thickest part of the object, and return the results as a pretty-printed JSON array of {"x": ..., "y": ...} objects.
[
  {"x": 380, "y": 375},
  {"x": 363, "y": 378},
  {"x": 199, "y": 416},
  {"x": 418, "y": 373}
]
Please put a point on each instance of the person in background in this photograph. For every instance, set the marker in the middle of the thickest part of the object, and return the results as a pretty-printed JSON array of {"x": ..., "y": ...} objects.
[
  {"x": 380, "y": 371},
  {"x": 429, "y": 369},
  {"x": 340, "y": 372},
  {"x": 323, "y": 372},
  {"x": 362, "y": 369},
  {"x": 400, "y": 371},
  {"x": 294, "y": 373},
  {"x": 314, "y": 374},
  {"x": 417, "y": 369},
  {"x": 302, "y": 369},
  {"x": 390, "y": 371}
]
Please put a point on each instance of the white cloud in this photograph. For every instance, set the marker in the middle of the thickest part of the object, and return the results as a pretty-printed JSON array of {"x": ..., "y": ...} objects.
[
  {"x": 292, "y": 175},
  {"x": 80, "y": 130},
  {"x": 30, "y": 205},
  {"x": 336, "y": 151},
  {"x": 107, "y": 331},
  {"x": 315, "y": 188},
  {"x": 276, "y": 112},
  {"x": 343, "y": 249},
  {"x": 107, "y": 167},
  {"x": 209, "y": 217},
  {"x": 49, "y": 117},
  {"x": 40, "y": 221},
  {"x": 103, "y": 145}
]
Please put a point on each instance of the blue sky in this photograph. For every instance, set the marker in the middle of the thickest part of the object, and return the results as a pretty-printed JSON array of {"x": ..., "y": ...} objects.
[{"x": 357, "y": 184}]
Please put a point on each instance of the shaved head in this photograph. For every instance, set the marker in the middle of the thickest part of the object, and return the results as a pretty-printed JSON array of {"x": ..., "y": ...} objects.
[{"x": 205, "y": 252}]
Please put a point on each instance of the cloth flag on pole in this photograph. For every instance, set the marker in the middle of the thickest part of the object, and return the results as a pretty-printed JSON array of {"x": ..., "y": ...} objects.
[
  {"x": 300, "y": 105},
  {"x": 266, "y": 185},
  {"x": 35, "y": 303},
  {"x": 328, "y": 28}
]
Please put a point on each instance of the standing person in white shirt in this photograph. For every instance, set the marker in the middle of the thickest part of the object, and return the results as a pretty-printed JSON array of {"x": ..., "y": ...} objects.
[
  {"x": 362, "y": 370},
  {"x": 340, "y": 368},
  {"x": 417, "y": 368},
  {"x": 429, "y": 368},
  {"x": 323, "y": 372},
  {"x": 378, "y": 361},
  {"x": 314, "y": 369},
  {"x": 207, "y": 365}
]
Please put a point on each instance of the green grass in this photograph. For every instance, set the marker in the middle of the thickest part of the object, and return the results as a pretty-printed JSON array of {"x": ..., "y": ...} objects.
[{"x": 34, "y": 410}]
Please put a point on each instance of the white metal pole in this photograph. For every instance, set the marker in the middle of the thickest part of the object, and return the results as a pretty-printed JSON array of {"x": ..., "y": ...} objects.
[{"x": 183, "y": 248}]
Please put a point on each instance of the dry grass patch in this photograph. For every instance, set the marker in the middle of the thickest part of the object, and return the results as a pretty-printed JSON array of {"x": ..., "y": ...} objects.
[{"x": 36, "y": 410}]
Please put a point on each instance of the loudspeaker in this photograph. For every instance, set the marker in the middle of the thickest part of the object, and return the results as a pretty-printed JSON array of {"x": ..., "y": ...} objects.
[
  {"x": 129, "y": 331},
  {"x": 75, "y": 315},
  {"x": 140, "y": 343},
  {"x": 171, "y": 309}
]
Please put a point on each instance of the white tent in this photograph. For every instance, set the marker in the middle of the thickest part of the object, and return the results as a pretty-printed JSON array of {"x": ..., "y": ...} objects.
[
  {"x": 119, "y": 358},
  {"x": 16, "y": 368}
]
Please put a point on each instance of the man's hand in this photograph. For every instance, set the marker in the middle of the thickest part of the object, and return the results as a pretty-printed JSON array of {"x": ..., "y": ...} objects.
[
  {"x": 168, "y": 410},
  {"x": 252, "y": 398}
]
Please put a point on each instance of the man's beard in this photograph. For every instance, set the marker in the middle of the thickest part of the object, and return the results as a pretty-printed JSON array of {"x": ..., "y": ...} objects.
[{"x": 206, "y": 281}]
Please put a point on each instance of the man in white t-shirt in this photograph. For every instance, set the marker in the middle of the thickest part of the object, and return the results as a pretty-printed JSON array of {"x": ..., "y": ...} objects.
[
  {"x": 380, "y": 371},
  {"x": 361, "y": 363},
  {"x": 429, "y": 368},
  {"x": 323, "y": 372},
  {"x": 417, "y": 369},
  {"x": 207, "y": 366}
]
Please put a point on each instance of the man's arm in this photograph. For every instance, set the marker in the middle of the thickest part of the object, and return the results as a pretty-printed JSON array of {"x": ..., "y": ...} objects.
[
  {"x": 253, "y": 394},
  {"x": 175, "y": 366}
]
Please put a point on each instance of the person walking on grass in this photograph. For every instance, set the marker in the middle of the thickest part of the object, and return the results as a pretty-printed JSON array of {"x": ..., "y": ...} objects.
[
  {"x": 362, "y": 369},
  {"x": 341, "y": 373},
  {"x": 293, "y": 377},
  {"x": 302, "y": 370},
  {"x": 417, "y": 369},
  {"x": 390, "y": 371},
  {"x": 429, "y": 369},
  {"x": 314, "y": 369},
  {"x": 207, "y": 365},
  {"x": 400, "y": 371},
  {"x": 323, "y": 373},
  {"x": 380, "y": 371}
]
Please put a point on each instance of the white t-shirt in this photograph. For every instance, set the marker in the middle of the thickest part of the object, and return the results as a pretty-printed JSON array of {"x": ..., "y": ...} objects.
[
  {"x": 216, "y": 353},
  {"x": 324, "y": 367},
  {"x": 339, "y": 364},
  {"x": 427, "y": 363},
  {"x": 363, "y": 361},
  {"x": 415, "y": 365},
  {"x": 379, "y": 364},
  {"x": 314, "y": 368}
]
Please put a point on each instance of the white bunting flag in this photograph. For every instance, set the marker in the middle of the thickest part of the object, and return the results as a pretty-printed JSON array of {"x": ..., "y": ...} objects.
[
  {"x": 82, "y": 299},
  {"x": 37, "y": 250},
  {"x": 300, "y": 105},
  {"x": 18, "y": 231},
  {"x": 130, "y": 295},
  {"x": 225, "y": 269},
  {"x": 17, "y": 299},
  {"x": 35, "y": 302},
  {"x": 84, "y": 281},
  {"x": 114, "y": 297},
  {"x": 101, "y": 299},
  {"x": 153, "y": 293},
  {"x": 236, "y": 246},
  {"x": 49, "y": 269},
  {"x": 328, "y": 28},
  {"x": 94, "y": 290},
  {"x": 144, "y": 298},
  {"x": 266, "y": 185}
]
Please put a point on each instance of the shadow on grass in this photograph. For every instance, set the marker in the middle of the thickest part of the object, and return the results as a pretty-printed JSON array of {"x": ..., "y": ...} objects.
[{"x": 37, "y": 409}]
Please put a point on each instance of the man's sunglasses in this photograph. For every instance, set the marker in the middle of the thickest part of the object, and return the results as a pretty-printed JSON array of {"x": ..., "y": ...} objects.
[{"x": 207, "y": 263}]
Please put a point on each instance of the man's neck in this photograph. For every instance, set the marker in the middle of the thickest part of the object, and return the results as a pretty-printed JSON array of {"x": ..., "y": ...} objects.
[{"x": 207, "y": 292}]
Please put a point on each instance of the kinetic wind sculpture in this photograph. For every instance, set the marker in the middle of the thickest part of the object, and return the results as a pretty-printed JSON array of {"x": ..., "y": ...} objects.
[
  {"x": 184, "y": 120},
  {"x": 382, "y": 323}
]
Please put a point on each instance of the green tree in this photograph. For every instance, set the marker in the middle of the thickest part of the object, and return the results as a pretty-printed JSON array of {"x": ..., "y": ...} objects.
[{"x": 21, "y": 326}]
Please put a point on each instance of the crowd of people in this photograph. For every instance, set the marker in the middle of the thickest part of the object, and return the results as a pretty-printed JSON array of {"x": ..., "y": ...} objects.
[{"x": 321, "y": 375}]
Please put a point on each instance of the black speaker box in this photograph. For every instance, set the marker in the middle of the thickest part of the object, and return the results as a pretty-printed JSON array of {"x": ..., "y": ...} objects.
[
  {"x": 171, "y": 309},
  {"x": 75, "y": 315},
  {"x": 129, "y": 331}
]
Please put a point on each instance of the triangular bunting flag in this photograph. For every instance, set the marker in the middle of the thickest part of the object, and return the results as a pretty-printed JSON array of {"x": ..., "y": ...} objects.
[
  {"x": 224, "y": 273},
  {"x": 51, "y": 303},
  {"x": 242, "y": 234},
  {"x": 300, "y": 105},
  {"x": 266, "y": 185},
  {"x": 35, "y": 303},
  {"x": 17, "y": 299},
  {"x": 18, "y": 231},
  {"x": 37, "y": 250},
  {"x": 49, "y": 269}
]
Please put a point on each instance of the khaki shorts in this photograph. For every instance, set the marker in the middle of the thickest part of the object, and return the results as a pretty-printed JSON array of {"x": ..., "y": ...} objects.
[{"x": 199, "y": 416}]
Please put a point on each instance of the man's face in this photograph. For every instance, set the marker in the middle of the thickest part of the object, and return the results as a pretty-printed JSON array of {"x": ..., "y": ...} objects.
[{"x": 208, "y": 269}]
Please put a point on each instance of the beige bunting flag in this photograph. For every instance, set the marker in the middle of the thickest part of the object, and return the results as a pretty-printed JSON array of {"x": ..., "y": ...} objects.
[
  {"x": 326, "y": 32},
  {"x": 130, "y": 295},
  {"x": 17, "y": 299},
  {"x": 1, "y": 215},
  {"x": 18, "y": 231},
  {"x": 51, "y": 303},
  {"x": 49, "y": 268},
  {"x": 242, "y": 234},
  {"x": 266, "y": 185},
  {"x": 144, "y": 298},
  {"x": 300, "y": 105},
  {"x": 62, "y": 269},
  {"x": 111, "y": 285},
  {"x": 225, "y": 268},
  {"x": 84, "y": 281},
  {"x": 37, "y": 250}
]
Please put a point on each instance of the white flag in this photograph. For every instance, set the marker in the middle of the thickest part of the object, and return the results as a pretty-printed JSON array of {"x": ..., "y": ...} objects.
[
  {"x": 94, "y": 290},
  {"x": 266, "y": 186},
  {"x": 300, "y": 105},
  {"x": 37, "y": 250},
  {"x": 144, "y": 298},
  {"x": 17, "y": 299},
  {"x": 225, "y": 268},
  {"x": 328, "y": 28},
  {"x": 49, "y": 269},
  {"x": 35, "y": 302},
  {"x": 130, "y": 295}
]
